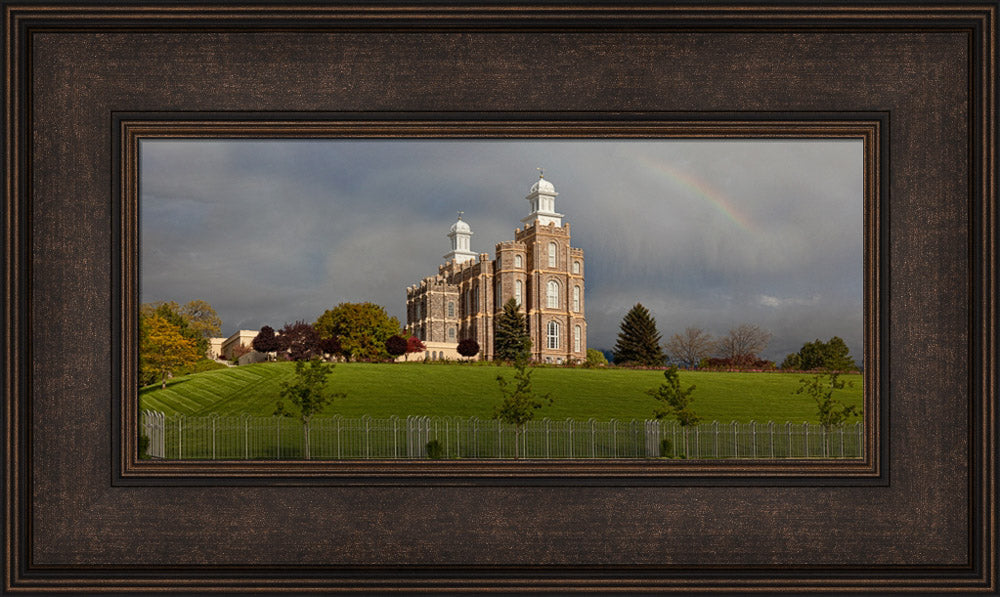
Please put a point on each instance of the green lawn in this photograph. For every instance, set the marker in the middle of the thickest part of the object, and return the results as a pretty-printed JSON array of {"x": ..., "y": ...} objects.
[{"x": 403, "y": 389}]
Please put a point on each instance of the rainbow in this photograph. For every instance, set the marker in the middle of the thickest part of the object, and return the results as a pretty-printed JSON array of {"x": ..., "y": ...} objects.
[{"x": 702, "y": 189}]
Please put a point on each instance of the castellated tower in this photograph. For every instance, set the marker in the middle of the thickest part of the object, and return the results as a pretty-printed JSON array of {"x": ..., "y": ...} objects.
[{"x": 539, "y": 268}]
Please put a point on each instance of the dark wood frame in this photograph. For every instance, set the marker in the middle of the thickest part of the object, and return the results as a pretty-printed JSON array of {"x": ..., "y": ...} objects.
[{"x": 83, "y": 515}]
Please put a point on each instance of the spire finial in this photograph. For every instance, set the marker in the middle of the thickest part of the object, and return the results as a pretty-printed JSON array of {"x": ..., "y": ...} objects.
[
  {"x": 540, "y": 172},
  {"x": 460, "y": 214}
]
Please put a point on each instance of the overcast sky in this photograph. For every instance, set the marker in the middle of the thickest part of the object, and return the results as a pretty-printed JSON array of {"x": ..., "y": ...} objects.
[{"x": 703, "y": 233}]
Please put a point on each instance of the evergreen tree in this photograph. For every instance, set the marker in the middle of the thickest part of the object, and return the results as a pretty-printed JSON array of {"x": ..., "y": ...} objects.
[
  {"x": 511, "y": 339},
  {"x": 638, "y": 341}
]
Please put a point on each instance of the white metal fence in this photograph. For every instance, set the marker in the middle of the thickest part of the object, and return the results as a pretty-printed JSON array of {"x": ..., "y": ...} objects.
[{"x": 248, "y": 438}]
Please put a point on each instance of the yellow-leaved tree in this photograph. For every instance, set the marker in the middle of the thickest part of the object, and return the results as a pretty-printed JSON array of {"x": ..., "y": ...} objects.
[{"x": 162, "y": 348}]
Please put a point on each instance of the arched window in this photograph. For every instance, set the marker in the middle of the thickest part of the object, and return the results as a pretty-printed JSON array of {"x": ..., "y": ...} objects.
[
  {"x": 553, "y": 335},
  {"x": 576, "y": 298},
  {"x": 518, "y": 262},
  {"x": 577, "y": 336},
  {"x": 552, "y": 254},
  {"x": 552, "y": 294},
  {"x": 451, "y": 333},
  {"x": 576, "y": 267},
  {"x": 518, "y": 291},
  {"x": 451, "y": 308}
]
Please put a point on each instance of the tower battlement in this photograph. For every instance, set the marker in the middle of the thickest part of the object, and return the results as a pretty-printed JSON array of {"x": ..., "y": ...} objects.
[
  {"x": 549, "y": 229},
  {"x": 510, "y": 245}
]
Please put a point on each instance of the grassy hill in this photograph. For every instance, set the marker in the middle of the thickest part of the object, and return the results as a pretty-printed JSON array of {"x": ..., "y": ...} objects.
[{"x": 402, "y": 389}]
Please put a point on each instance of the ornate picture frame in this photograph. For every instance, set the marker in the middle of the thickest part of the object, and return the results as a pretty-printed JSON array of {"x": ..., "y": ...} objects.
[{"x": 84, "y": 515}]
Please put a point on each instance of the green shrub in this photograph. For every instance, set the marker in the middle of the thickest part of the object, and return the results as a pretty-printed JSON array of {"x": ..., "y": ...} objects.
[
  {"x": 143, "y": 446},
  {"x": 595, "y": 358},
  {"x": 435, "y": 450},
  {"x": 667, "y": 450}
]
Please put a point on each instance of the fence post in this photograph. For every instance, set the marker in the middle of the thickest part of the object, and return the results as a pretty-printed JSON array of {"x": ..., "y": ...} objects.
[
  {"x": 277, "y": 421},
  {"x": 214, "y": 419},
  {"x": 395, "y": 447},
  {"x": 547, "y": 431},
  {"x": 180, "y": 437},
  {"x": 246, "y": 437},
  {"x": 841, "y": 441},
  {"x": 788, "y": 427},
  {"x": 753, "y": 436},
  {"x": 861, "y": 448},
  {"x": 736, "y": 440},
  {"x": 593, "y": 439},
  {"x": 770, "y": 427},
  {"x": 155, "y": 439},
  {"x": 614, "y": 438},
  {"x": 715, "y": 433},
  {"x": 160, "y": 435},
  {"x": 805, "y": 432}
]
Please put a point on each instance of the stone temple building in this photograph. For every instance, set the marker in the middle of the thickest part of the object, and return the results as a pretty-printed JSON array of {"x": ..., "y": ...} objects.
[{"x": 539, "y": 268}]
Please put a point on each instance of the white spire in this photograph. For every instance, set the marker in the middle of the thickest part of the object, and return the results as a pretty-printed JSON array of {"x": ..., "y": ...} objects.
[
  {"x": 542, "y": 198},
  {"x": 461, "y": 236}
]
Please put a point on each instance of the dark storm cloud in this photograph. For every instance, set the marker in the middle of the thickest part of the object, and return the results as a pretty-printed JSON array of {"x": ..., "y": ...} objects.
[{"x": 704, "y": 233}]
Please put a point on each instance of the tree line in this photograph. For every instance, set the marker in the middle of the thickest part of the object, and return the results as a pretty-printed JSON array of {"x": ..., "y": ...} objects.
[
  {"x": 174, "y": 341},
  {"x": 349, "y": 331},
  {"x": 640, "y": 344},
  {"x": 173, "y": 338}
]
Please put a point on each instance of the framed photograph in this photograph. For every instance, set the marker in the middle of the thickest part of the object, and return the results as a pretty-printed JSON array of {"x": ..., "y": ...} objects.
[
  {"x": 380, "y": 409},
  {"x": 783, "y": 171}
]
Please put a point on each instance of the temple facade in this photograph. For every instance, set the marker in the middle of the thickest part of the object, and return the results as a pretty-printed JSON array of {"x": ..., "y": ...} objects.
[{"x": 539, "y": 268}]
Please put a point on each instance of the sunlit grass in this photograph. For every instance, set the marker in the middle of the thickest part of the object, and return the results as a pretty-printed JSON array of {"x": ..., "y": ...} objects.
[{"x": 403, "y": 389}]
